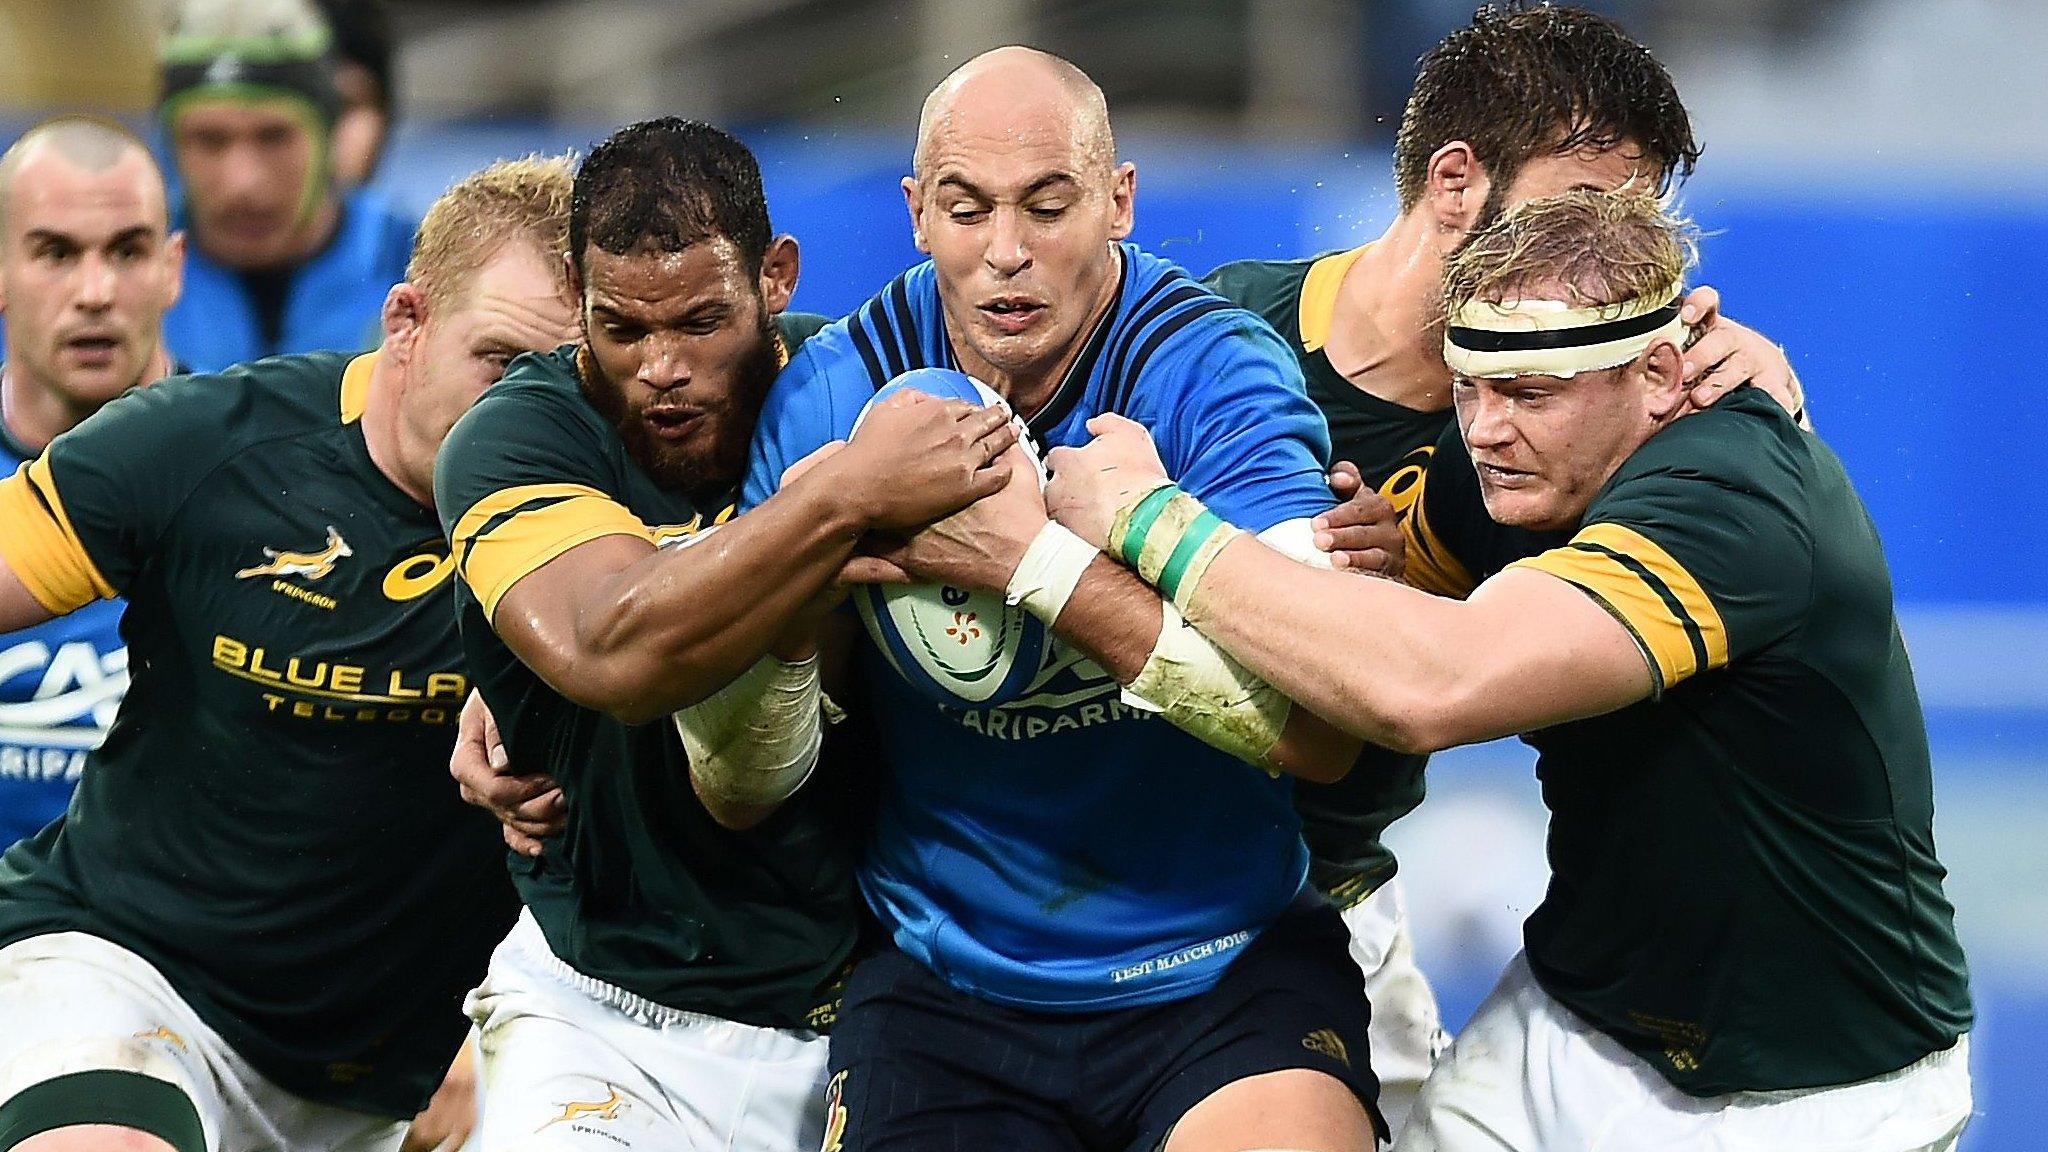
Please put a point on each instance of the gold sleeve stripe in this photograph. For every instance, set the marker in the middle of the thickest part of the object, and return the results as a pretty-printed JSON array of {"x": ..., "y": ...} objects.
[
  {"x": 1711, "y": 641},
  {"x": 507, "y": 535},
  {"x": 1431, "y": 566},
  {"x": 1318, "y": 304},
  {"x": 355, "y": 386},
  {"x": 38, "y": 543},
  {"x": 1648, "y": 591}
]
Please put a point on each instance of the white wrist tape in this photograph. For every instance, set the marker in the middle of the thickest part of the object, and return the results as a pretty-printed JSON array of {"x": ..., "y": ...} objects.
[
  {"x": 1208, "y": 695},
  {"x": 1296, "y": 540},
  {"x": 1052, "y": 566},
  {"x": 756, "y": 740}
]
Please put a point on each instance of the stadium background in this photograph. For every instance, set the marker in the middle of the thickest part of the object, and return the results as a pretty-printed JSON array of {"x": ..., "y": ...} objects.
[{"x": 1875, "y": 190}]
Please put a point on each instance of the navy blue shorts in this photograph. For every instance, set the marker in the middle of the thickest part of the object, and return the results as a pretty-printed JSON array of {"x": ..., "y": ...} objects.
[{"x": 919, "y": 1065}]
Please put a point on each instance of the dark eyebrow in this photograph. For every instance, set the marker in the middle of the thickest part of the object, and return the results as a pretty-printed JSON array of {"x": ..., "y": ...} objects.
[
  {"x": 683, "y": 315},
  {"x": 45, "y": 236},
  {"x": 139, "y": 232},
  {"x": 1030, "y": 190}
]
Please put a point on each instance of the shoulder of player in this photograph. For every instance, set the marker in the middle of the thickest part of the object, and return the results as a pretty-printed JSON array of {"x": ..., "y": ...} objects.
[
  {"x": 796, "y": 328},
  {"x": 1271, "y": 288},
  {"x": 267, "y": 399},
  {"x": 829, "y": 375},
  {"x": 1744, "y": 443},
  {"x": 371, "y": 220},
  {"x": 1197, "y": 337},
  {"x": 537, "y": 399}
]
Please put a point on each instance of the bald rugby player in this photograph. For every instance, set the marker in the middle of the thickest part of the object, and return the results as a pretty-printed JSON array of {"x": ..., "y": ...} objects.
[
  {"x": 1100, "y": 936},
  {"x": 88, "y": 264}
]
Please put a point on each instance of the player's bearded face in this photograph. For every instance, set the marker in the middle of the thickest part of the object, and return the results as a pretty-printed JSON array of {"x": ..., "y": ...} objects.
[{"x": 681, "y": 352}]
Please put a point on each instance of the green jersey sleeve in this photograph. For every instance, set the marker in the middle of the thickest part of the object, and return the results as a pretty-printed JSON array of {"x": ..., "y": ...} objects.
[
  {"x": 1452, "y": 544},
  {"x": 525, "y": 476},
  {"x": 1694, "y": 545},
  {"x": 84, "y": 518}
]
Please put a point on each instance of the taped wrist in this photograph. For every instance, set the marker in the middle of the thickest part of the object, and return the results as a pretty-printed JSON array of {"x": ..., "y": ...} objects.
[
  {"x": 1201, "y": 690},
  {"x": 756, "y": 740},
  {"x": 1052, "y": 566},
  {"x": 1169, "y": 538}
]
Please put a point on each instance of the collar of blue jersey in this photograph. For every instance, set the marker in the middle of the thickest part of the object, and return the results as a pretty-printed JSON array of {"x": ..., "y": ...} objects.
[{"x": 1074, "y": 384}]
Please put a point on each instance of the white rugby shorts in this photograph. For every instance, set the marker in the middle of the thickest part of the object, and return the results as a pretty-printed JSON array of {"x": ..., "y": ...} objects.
[
  {"x": 1528, "y": 1074},
  {"x": 571, "y": 1063},
  {"x": 1407, "y": 1034},
  {"x": 72, "y": 1002}
]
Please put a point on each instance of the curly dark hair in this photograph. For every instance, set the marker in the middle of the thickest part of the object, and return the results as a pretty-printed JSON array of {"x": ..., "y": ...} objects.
[
  {"x": 670, "y": 183},
  {"x": 1521, "y": 82}
]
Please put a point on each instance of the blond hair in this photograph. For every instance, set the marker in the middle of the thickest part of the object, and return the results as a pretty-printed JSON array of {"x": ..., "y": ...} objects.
[
  {"x": 1590, "y": 249},
  {"x": 472, "y": 222}
]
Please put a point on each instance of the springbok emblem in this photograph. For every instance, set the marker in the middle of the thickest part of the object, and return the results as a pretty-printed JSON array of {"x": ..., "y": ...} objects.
[
  {"x": 607, "y": 1109},
  {"x": 311, "y": 565}
]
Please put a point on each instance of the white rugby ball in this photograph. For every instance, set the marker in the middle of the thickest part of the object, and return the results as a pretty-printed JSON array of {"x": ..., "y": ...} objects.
[{"x": 961, "y": 648}]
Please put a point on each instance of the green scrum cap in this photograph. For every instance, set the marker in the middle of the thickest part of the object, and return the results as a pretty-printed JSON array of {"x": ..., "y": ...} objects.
[{"x": 249, "y": 50}]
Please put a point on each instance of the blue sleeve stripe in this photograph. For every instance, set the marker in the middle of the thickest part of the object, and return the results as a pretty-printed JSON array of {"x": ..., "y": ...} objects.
[
  {"x": 903, "y": 326},
  {"x": 1179, "y": 290},
  {"x": 1161, "y": 333},
  {"x": 856, "y": 327}
]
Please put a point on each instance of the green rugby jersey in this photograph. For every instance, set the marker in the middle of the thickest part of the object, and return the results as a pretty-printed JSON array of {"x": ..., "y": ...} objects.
[
  {"x": 1343, "y": 822},
  {"x": 1744, "y": 888},
  {"x": 642, "y": 889},
  {"x": 270, "y": 820}
]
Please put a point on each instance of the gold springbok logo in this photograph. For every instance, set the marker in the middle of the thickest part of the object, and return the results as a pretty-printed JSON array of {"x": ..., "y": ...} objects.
[
  {"x": 311, "y": 565},
  {"x": 606, "y": 1109},
  {"x": 165, "y": 1034}
]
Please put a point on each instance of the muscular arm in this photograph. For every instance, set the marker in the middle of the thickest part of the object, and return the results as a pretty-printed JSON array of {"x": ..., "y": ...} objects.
[
  {"x": 1413, "y": 671},
  {"x": 618, "y": 626},
  {"x": 18, "y": 607},
  {"x": 1115, "y": 618}
]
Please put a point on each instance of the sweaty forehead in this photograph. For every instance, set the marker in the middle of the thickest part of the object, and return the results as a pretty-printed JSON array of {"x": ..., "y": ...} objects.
[
  {"x": 647, "y": 280},
  {"x": 1010, "y": 124}
]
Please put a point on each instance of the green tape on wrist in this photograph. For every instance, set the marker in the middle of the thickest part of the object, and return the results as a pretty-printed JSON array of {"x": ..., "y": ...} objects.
[
  {"x": 1206, "y": 524},
  {"x": 1143, "y": 516}
]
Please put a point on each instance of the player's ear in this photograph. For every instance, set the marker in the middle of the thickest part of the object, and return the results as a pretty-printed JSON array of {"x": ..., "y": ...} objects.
[
  {"x": 173, "y": 269},
  {"x": 1661, "y": 370},
  {"x": 779, "y": 268},
  {"x": 1455, "y": 189},
  {"x": 1124, "y": 194},
  {"x": 573, "y": 275},
  {"x": 405, "y": 311},
  {"x": 913, "y": 199}
]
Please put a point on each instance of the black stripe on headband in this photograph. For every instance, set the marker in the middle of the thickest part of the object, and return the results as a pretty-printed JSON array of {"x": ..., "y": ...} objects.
[
  {"x": 312, "y": 79},
  {"x": 1487, "y": 340}
]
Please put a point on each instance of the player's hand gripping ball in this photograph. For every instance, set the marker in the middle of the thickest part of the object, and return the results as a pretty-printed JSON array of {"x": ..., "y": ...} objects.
[{"x": 964, "y": 649}]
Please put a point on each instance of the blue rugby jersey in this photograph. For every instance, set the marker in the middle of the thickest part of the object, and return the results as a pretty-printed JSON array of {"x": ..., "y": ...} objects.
[
  {"x": 60, "y": 684},
  {"x": 336, "y": 299},
  {"x": 1065, "y": 852}
]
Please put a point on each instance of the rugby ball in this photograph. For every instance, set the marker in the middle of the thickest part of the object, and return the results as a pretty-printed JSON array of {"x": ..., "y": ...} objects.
[{"x": 961, "y": 648}]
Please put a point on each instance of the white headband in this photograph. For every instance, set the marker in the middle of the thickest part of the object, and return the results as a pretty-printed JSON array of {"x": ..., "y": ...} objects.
[{"x": 1555, "y": 338}]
